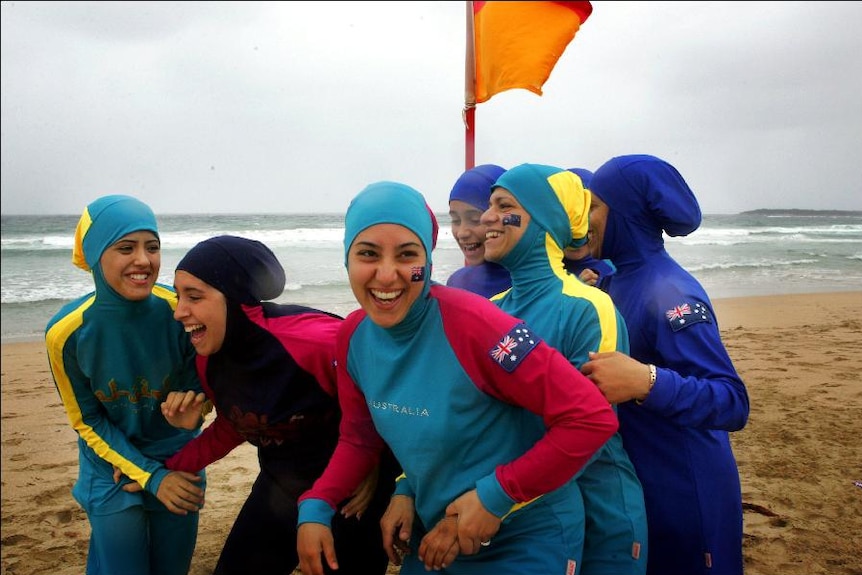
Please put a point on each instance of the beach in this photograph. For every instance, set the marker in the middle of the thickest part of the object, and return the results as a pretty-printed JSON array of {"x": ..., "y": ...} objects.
[{"x": 800, "y": 356}]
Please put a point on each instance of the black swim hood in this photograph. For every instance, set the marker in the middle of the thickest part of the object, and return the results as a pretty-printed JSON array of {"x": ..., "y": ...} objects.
[{"x": 244, "y": 270}]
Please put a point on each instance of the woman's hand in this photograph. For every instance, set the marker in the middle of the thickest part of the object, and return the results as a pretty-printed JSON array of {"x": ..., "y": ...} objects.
[
  {"x": 618, "y": 376},
  {"x": 180, "y": 493},
  {"x": 313, "y": 542},
  {"x": 185, "y": 409},
  {"x": 363, "y": 495},
  {"x": 439, "y": 547},
  {"x": 396, "y": 526},
  {"x": 476, "y": 525}
]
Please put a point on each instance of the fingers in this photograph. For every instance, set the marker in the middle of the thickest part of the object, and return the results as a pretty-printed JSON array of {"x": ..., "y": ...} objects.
[
  {"x": 329, "y": 554},
  {"x": 189, "y": 476},
  {"x": 180, "y": 494},
  {"x": 182, "y": 401},
  {"x": 441, "y": 557},
  {"x": 393, "y": 553},
  {"x": 475, "y": 523},
  {"x": 314, "y": 541},
  {"x": 355, "y": 507},
  {"x": 440, "y": 546},
  {"x": 398, "y": 549},
  {"x": 396, "y": 540},
  {"x": 360, "y": 501},
  {"x": 469, "y": 546},
  {"x": 129, "y": 486}
]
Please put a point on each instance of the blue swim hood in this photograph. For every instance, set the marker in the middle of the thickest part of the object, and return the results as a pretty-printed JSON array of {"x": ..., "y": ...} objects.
[
  {"x": 585, "y": 175},
  {"x": 645, "y": 196},
  {"x": 648, "y": 189},
  {"x": 474, "y": 186}
]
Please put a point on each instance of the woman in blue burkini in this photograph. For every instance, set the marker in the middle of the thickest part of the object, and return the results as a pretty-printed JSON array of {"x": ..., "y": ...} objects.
[
  {"x": 467, "y": 200},
  {"x": 115, "y": 354},
  {"x": 535, "y": 212},
  {"x": 579, "y": 260},
  {"x": 453, "y": 385},
  {"x": 687, "y": 393},
  {"x": 269, "y": 370}
]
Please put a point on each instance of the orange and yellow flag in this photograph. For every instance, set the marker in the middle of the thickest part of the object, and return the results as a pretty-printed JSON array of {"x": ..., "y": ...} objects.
[{"x": 517, "y": 44}]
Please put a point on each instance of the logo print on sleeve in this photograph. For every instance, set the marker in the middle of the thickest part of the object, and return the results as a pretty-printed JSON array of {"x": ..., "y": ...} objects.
[
  {"x": 685, "y": 315},
  {"x": 511, "y": 350}
]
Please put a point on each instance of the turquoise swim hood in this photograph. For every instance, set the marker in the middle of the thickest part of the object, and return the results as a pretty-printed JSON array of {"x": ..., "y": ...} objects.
[
  {"x": 391, "y": 203},
  {"x": 105, "y": 221}
]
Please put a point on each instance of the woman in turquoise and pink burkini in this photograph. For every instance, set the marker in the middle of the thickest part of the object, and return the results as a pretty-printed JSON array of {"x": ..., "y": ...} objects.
[{"x": 453, "y": 385}]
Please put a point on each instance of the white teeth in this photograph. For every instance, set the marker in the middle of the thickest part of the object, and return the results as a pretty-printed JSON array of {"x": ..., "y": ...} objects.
[
  {"x": 191, "y": 328},
  {"x": 491, "y": 235},
  {"x": 385, "y": 295},
  {"x": 138, "y": 276}
]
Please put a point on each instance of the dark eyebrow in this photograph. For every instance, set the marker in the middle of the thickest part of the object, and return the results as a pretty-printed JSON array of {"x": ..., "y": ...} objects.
[
  {"x": 374, "y": 245},
  {"x": 365, "y": 243}
]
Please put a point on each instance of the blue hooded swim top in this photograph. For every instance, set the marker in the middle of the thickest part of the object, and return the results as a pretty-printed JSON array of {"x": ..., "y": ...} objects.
[{"x": 646, "y": 196}]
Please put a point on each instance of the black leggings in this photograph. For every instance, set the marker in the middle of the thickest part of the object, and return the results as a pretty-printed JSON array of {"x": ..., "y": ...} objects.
[{"x": 263, "y": 537}]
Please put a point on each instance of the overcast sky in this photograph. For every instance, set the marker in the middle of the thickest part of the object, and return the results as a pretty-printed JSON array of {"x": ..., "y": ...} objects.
[{"x": 223, "y": 107}]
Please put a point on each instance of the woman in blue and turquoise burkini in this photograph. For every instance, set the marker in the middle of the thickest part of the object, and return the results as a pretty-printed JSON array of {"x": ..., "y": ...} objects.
[
  {"x": 115, "y": 353},
  {"x": 467, "y": 201},
  {"x": 677, "y": 429},
  {"x": 535, "y": 212},
  {"x": 454, "y": 386}
]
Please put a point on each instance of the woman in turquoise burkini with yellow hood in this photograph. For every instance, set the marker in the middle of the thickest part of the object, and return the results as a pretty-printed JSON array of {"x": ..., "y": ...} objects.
[
  {"x": 115, "y": 353},
  {"x": 535, "y": 213}
]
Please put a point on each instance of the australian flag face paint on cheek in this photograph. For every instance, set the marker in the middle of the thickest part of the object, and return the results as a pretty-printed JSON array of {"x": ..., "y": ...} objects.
[
  {"x": 417, "y": 274},
  {"x": 512, "y": 220}
]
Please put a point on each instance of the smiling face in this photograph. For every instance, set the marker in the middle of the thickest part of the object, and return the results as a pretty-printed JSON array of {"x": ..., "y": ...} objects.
[
  {"x": 502, "y": 233},
  {"x": 202, "y": 309},
  {"x": 381, "y": 265},
  {"x": 468, "y": 231},
  {"x": 131, "y": 264}
]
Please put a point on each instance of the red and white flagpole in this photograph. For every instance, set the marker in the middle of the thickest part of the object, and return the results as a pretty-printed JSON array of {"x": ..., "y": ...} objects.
[{"x": 469, "y": 113}]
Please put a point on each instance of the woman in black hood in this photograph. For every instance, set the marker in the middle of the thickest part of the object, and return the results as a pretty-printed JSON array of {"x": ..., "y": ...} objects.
[{"x": 269, "y": 370}]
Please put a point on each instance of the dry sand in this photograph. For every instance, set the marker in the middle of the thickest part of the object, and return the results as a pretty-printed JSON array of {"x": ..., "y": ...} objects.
[{"x": 799, "y": 455}]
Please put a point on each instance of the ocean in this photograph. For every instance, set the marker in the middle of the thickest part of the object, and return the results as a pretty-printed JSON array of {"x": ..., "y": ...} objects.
[{"x": 738, "y": 255}]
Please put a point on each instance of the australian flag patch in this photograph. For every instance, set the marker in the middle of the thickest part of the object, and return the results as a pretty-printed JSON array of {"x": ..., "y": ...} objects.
[
  {"x": 513, "y": 220},
  {"x": 686, "y": 314},
  {"x": 511, "y": 350}
]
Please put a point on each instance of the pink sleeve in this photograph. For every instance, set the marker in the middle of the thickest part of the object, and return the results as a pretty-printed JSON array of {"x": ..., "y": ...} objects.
[
  {"x": 578, "y": 419},
  {"x": 359, "y": 444},
  {"x": 214, "y": 442}
]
